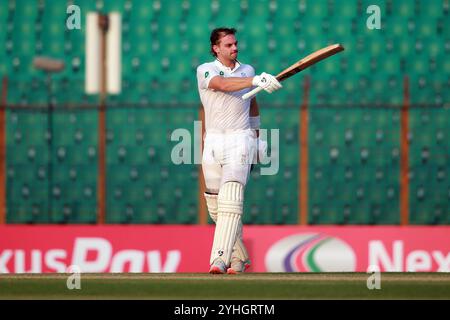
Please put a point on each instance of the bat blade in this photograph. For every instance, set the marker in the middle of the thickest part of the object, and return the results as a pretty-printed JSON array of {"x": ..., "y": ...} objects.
[
  {"x": 300, "y": 65},
  {"x": 309, "y": 60}
]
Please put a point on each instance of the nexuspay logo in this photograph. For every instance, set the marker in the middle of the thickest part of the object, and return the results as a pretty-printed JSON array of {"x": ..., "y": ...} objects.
[{"x": 310, "y": 252}]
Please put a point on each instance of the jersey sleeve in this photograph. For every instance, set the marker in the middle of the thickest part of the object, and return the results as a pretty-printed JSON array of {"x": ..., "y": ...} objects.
[
  {"x": 251, "y": 71},
  {"x": 204, "y": 75}
]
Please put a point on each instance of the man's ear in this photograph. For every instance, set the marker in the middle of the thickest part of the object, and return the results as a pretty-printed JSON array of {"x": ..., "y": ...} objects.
[{"x": 216, "y": 48}]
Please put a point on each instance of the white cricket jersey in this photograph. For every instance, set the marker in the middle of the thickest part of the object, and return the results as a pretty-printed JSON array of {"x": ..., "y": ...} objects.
[{"x": 224, "y": 110}]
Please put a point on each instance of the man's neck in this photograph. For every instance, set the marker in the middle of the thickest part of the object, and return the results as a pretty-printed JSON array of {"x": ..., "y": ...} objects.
[{"x": 228, "y": 63}]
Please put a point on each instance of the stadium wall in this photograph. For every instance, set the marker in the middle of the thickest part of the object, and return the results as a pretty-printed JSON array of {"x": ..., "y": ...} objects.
[{"x": 163, "y": 248}]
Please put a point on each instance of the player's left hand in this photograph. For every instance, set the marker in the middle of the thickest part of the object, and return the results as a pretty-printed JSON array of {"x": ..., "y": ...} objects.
[{"x": 260, "y": 151}]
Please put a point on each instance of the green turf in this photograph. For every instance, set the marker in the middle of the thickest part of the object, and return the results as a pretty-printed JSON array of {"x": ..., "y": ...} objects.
[{"x": 244, "y": 286}]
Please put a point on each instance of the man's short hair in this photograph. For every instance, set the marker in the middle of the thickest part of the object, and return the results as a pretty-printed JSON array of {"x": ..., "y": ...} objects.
[{"x": 218, "y": 34}]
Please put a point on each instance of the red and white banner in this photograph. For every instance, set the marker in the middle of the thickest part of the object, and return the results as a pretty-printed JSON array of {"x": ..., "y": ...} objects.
[{"x": 179, "y": 248}]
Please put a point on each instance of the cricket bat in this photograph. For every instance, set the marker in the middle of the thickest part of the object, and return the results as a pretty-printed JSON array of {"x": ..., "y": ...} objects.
[{"x": 300, "y": 65}]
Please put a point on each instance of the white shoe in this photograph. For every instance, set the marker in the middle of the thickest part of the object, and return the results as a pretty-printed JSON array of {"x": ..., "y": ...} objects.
[
  {"x": 238, "y": 266},
  {"x": 218, "y": 267}
]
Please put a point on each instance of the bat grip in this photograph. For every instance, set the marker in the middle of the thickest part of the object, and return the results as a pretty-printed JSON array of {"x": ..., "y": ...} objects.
[{"x": 250, "y": 94}]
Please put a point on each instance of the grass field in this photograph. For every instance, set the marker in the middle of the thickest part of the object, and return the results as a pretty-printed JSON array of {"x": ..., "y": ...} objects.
[{"x": 245, "y": 286}]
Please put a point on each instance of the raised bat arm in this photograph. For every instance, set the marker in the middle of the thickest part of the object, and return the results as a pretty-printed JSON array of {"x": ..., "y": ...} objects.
[{"x": 301, "y": 65}]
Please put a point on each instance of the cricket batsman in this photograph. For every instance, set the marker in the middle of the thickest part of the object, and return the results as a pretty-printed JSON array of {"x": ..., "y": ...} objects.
[{"x": 230, "y": 144}]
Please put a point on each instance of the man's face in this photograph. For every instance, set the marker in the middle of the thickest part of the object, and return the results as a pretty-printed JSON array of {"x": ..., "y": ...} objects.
[{"x": 227, "y": 48}]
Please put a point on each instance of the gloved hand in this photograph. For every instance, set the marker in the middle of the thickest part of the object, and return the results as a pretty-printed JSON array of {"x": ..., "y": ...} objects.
[
  {"x": 266, "y": 81},
  {"x": 259, "y": 151}
]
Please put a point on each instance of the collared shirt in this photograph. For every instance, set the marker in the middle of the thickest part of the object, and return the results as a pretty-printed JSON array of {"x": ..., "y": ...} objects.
[{"x": 224, "y": 110}]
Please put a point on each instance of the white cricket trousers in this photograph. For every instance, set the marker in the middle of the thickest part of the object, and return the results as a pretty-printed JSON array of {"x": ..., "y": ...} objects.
[{"x": 227, "y": 156}]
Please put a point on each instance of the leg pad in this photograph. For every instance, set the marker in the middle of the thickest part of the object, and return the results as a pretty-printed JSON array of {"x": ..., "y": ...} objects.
[{"x": 230, "y": 205}]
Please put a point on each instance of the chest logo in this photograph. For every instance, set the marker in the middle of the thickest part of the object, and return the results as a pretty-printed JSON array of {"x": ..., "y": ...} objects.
[{"x": 206, "y": 74}]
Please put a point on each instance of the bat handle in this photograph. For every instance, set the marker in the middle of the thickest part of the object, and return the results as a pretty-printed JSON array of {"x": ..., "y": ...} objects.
[{"x": 250, "y": 94}]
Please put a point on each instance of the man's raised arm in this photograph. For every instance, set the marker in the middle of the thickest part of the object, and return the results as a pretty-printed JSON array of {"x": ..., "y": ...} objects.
[{"x": 266, "y": 81}]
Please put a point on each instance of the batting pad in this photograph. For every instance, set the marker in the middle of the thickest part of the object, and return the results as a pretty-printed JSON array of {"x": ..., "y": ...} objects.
[
  {"x": 230, "y": 205},
  {"x": 211, "y": 203},
  {"x": 239, "y": 249}
]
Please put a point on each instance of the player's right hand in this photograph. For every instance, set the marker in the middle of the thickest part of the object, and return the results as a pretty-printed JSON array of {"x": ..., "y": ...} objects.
[{"x": 266, "y": 81}]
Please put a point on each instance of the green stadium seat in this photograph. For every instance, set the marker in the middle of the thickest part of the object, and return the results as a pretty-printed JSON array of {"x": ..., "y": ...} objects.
[{"x": 354, "y": 119}]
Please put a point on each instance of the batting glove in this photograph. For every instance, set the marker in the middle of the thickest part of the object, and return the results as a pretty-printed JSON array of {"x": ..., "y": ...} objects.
[{"x": 266, "y": 81}]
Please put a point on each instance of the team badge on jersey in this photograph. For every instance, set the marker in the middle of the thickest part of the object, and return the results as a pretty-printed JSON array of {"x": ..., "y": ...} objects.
[{"x": 206, "y": 74}]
